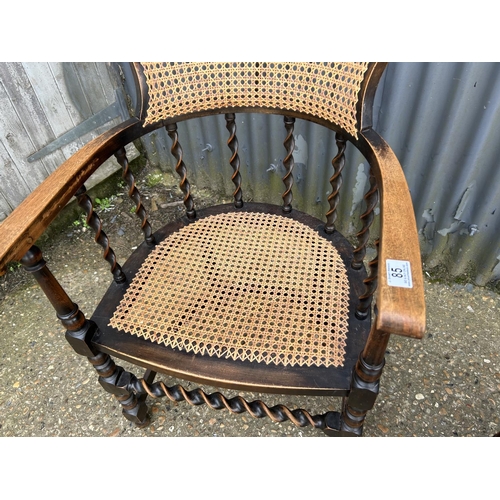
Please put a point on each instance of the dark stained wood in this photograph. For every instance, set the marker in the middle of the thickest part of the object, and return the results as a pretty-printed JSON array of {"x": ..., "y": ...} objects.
[
  {"x": 365, "y": 300},
  {"x": 365, "y": 382},
  {"x": 367, "y": 92},
  {"x": 79, "y": 334},
  {"x": 338, "y": 164},
  {"x": 135, "y": 196},
  {"x": 79, "y": 330},
  {"x": 181, "y": 170},
  {"x": 330, "y": 422},
  {"x": 115, "y": 380},
  {"x": 142, "y": 91},
  {"x": 94, "y": 221},
  {"x": 371, "y": 200}
]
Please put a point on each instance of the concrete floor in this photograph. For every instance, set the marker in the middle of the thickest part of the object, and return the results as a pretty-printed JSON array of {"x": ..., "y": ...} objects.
[{"x": 447, "y": 384}]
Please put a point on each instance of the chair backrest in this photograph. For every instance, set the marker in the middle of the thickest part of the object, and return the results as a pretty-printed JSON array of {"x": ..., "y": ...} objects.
[{"x": 338, "y": 95}]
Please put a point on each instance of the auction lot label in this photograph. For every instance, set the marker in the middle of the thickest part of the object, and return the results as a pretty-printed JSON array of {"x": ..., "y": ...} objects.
[{"x": 399, "y": 273}]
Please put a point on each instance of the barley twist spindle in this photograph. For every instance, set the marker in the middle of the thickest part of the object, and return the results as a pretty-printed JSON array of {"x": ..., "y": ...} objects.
[
  {"x": 336, "y": 182},
  {"x": 371, "y": 200},
  {"x": 180, "y": 168},
  {"x": 135, "y": 196},
  {"x": 232, "y": 142},
  {"x": 101, "y": 238},
  {"x": 217, "y": 401},
  {"x": 288, "y": 162},
  {"x": 365, "y": 300}
]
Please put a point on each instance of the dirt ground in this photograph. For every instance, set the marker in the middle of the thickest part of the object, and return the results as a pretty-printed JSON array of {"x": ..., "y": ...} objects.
[{"x": 448, "y": 384}]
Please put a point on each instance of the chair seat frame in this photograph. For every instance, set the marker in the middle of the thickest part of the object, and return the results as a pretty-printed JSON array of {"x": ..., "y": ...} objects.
[{"x": 229, "y": 373}]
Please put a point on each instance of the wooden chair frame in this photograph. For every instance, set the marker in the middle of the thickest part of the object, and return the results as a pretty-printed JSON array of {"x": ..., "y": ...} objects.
[{"x": 398, "y": 310}]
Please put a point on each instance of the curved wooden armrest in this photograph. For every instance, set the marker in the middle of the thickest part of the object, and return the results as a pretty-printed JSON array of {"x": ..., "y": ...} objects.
[
  {"x": 399, "y": 310},
  {"x": 32, "y": 217}
]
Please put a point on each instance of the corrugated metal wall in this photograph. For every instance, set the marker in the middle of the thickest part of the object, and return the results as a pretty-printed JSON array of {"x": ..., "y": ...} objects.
[{"x": 441, "y": 119}]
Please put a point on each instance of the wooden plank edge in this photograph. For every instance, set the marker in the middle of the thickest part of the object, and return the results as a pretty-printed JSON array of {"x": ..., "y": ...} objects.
[
  {"x": 31, "y": 218},
  {"x": 400, "y": 310}
]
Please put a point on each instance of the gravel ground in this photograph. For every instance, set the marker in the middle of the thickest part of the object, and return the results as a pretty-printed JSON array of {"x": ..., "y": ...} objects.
[{"x": 447, "y": 384}]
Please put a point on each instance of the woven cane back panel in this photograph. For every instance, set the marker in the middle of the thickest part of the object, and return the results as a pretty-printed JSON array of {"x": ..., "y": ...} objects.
[
  {"x": 245, "y": 286},
  {"x": 325, "y": 90}
]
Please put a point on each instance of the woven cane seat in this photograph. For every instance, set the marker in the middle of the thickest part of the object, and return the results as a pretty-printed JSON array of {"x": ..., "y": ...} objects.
[{"x": 244, "y": 286}]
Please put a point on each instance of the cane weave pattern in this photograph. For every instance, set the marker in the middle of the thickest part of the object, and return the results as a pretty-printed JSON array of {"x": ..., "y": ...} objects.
[
  {"x": 246, "y": 286},
  {"x": 326, "y": 90}
]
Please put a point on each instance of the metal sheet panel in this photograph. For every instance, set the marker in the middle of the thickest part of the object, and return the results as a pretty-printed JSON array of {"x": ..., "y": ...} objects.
[
  {"x": 441, "y": 119},
  {"x": 443, "y": 122}
]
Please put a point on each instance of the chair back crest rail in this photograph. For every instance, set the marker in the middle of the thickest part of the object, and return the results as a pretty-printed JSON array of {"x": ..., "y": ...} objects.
[{"x": 338, "y": 95}]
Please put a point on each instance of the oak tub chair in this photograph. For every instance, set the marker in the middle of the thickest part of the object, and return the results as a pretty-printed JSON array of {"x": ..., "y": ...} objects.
[{"x": 250, "y": 296}]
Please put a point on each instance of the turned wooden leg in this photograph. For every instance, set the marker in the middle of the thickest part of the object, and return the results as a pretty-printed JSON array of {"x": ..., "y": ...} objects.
[
  {"x": 115, "y": 380},
  {"x": 79, "y": 333},
  {"x": 365, "y": 384}
]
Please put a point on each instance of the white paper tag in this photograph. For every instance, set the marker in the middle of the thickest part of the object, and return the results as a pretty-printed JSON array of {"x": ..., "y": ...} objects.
[{"x": 399, "y": 273}]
